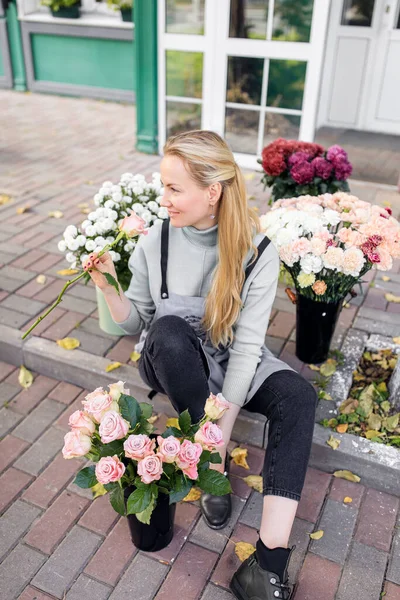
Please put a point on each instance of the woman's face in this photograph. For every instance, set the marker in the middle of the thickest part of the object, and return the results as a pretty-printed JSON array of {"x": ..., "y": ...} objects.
[{"x": 187, "y": 204}]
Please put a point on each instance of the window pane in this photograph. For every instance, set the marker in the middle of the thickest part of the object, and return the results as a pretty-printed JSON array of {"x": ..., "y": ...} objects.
[
  {"x": 398, "y": 22},
  {"x": 244, "y": 80},
  {"x": 277, "y": 125},
  {"x": 184, "y": 16},
  {"x": 241, "y": 130},
  {"x": 286, "y": 83},
  {"x": 357, "y": 13},
  {"x": 248, "y": 19},
  {"x": 292, "y": 20},
  {"x": 184, "y": 73},
  {"x": 182, "y": 116}
]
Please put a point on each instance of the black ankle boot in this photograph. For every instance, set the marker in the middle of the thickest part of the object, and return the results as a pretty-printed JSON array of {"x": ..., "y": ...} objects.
[
  {"x": 216, "y": 510},
  {"x": 251, "y": 582}
]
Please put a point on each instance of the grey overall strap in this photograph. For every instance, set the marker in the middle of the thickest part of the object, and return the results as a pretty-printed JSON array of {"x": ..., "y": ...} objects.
[
  {"x": 261, "y": 247},
  {"x": 164, "y": 258}
]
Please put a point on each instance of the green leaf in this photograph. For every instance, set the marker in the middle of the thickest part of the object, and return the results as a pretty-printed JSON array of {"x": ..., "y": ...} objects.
[
  {"x": 139, "y": 500},
  {"x": 185, "y": 421},
  {"x": 390, "y": 423},
  {"x": 213, "y": 482},
  {"x": 86, "y": 478},
  {"x": 112, "y": 281},
  {"x": 147, "y": 409},
  {"x": 215, "y": 458},
  {"x": 115, "y": 447},
  {"x": 144, "y": 427},
  {"x": 169, "y": 469},
  {"x": 205, "y": 456},
  {"x": 117, "y": 500},
  {"x": 172, "y": 431},
  {"x": 180, "y": 488},
  {"x": 145, "y": 515},
  {"x": 130, "y": 409}
]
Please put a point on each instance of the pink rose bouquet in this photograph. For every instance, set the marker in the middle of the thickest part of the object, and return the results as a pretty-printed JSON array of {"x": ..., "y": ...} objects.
[
  {"x": 113, "y": 431},
  {"x": 294, "y": 168}
]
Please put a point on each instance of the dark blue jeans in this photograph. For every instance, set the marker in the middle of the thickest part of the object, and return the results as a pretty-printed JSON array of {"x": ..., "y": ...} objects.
[{"x": 172, "y": 363}]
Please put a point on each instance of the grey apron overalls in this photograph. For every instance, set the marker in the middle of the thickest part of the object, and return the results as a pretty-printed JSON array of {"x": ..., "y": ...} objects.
[{"x": 192, "y": 308}]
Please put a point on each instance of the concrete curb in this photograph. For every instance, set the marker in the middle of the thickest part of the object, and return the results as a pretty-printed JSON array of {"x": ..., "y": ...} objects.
[{"x": 377, "y": 465}]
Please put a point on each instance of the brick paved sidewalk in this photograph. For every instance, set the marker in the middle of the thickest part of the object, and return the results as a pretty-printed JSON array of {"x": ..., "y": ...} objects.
[{"x": 55, "y": 542}]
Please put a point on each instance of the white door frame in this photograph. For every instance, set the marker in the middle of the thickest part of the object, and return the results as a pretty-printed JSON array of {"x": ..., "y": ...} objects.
[{"x": 217, "y": 46}]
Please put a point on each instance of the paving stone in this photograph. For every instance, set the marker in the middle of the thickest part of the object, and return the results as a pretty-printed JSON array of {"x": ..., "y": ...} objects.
[
  {"x": 212, "y": 592},
  {"x": 10, "y": 248},
  {"x": 252, "y": 513},
  {"x": 379, "y": 315},
  {"x": 282, "y": 325},
  {"x": 318, "y": 579},
  {"x": 62, "y": 422},
  {"x": 377, "y": 519},
  {"x": 364, "y": 572},
  {"x": 94, "y": 344},
  {"x": 55, "y": 314},
  {"x": 18, "y": 569},
  {"x": 141, "y": 580},
  {"x": 7, "y": 391},
  {"x": 88, "y": 589},
  {"x": 38, "y": 420},
  {"x": 122, "y": 349},
  {"x": 392, "y": 591},
  {"x": 53, "y": 479},
  {"x": 67, "y": 561},
  {"x": 31, "y": 593},
  {"x": 23, "y": 261},
  {"x": 118, "y": 544},
  {"x": 216, "y": 540},
  {"x": 377, "y": 326},
  {"x": 45, "y": 263},
  {"x": 15, "y": 273},
  {"x": 288, "y": 355},
  {"x": 185, "y": 518},
  {"x": 85, "y": 292},
  {"x": 375, "y": 299},
  {"x": 27, "y": 399},
  {"x": 12, "y": 318},
  {"x": 33, "y": 287},
  {"x": 10, "y": 448},
  {"x": 342, "y": 488},
  {"x": 5, "y": 370},
  {"x": 314, "y": 491},
  {"x": 63, "y": 326},
  {"x": 49, "y": 293},
  {"x": 338, "y": 523},
  {"x": 8, "y": 420},
  {"x": 56, "y": 521},
  {"x": 393, "y": 573},
  {"x": 84, "y": 493},
  {"x": 65, "y": 392},
  {"x": 91, "y": 325},
  {"x": 13, "y": 524},
  {"x": 41, "y": 452},
  {"x": 352, "y": 349},
  {"x": 255, "y": 460},
  {"x": 300, "y": 538},
  {"x": 100, "y": 516},
  {"x": 229, "y": 561},
  {"x": 192, "y": 569},
  {"x": 18, "y": 303},
  {"x": 274, "y": 344},
  {"x": 86, "y": 307},
  {"x": 12, "y": 482}
]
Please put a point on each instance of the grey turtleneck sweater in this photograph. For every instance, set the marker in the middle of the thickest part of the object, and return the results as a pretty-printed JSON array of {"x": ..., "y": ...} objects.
[{"x": 191, "y": 261}]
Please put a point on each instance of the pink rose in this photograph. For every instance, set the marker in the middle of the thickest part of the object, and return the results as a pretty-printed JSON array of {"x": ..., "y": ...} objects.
[
  {"x": 112, "y": 427},
  {"x": 209, "y": 436},
  {"x": 188, "y": 458},
  {"x": 138, "y": 446},
  {"x": 168, "y": 449},
  {"x": 76, "y": 444},
  {"x": 216, "y": 406},
  {"x": 109, "y": 469},
  {"x": 97, "y": 403},
  {"x": 150, "y": 468},
  {"x": 82, "y": 421},
  {"x": 132, "y": 225},
  {"x": 116, "y": 389}
]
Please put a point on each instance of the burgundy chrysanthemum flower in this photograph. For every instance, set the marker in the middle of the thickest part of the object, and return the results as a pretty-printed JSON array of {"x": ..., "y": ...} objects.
[
  {"x": 322, "y": 167},
  {"x": 302, "y": 172},
  {"x": 336, "y": 153},
  {"x": 297, "y": 157},
  {"x": 343, "y": 169}
]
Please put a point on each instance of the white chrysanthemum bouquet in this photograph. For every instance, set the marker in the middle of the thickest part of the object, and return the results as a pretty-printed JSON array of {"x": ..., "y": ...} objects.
[
  {"x": 328, "y": 242},
  {"x": 114, "y": 202}
]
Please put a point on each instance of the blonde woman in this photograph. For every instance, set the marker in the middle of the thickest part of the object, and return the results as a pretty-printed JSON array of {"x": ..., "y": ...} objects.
[{"x": 202, "y": 288}]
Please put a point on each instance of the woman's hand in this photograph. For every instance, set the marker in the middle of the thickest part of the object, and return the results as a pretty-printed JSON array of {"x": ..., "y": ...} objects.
[
  {"x": 96, "y": 266},
  {"x": 226, "y": 423}
]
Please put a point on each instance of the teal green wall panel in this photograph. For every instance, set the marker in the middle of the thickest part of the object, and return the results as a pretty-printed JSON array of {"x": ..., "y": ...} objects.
[
  {"x": 1, "y": 64},
  {"x": 84, "y": 61}
]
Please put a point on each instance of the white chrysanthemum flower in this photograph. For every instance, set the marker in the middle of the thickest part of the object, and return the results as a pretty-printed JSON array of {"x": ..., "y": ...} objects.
[
  {"x": 92, "y": 216},
  {"x": 110, "y": 239},
  {"x": 285, "y": 235},
  {"x": 98, "y": 249},
  {"x": 117, "y": 196},
  {"x": 116, "y": 189},
  {"x": 97, "y": 199},
  {"x": 84, "y": 258},
  {"x": 311, "y": 264},
  {"x": 90, "y": 245},
  {"x": 153, "y": 206},
  {"x": 104, "y": 191},
  {"x": 162, "y": 213},
  {"x": 72, "y": 245},
  {"x": 158, "y": 199},
  {"x": 146, "y": 215},
  {"x": 70, "y": 257},
  {"x": 109, "y": 203},
  {"x": 138, "y": 208},
  {"x": 62, "y": 245},
  {"x": 112, "y": 254},
  {"x": 107, "y": 184},
  {"x": 113, "y": 215},
  {"x": 100, "y": 241},
  {"x": 330, "y": 217},
  {"x": 81, "y": 239},
  {"x": 70, "y": 231},
  {"x": 127, "y": 199},
  {"x": 157, "y": 221},
  {"x": 117, "y": 257},
  {"x": 73, "y": 265},
  {"x": 90, "y": 230},
  {"x": 85, "y": 223}
]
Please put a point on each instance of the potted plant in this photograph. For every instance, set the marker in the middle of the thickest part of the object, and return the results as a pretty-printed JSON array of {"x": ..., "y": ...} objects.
[
  {"x": 112, "y": 204},
  {"x": 293, "y": 168},
  {"x": 145, "y": 475},
  {"x": 327, "y": 243},
  {"x": 63, "y": 9},
  {"x": 124, "y": 6}
]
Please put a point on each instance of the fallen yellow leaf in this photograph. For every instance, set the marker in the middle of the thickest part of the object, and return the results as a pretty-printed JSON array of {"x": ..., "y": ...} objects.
[
  {"x": 21, "y": 209},
  {"x": 56, "y": 214},
  {"x": 347, "y": 475},
  {"x": 25, "y": 377},
  {"x": 255, "y": 482},
  {"x": 371, "y": 433},
  {"x": 113, "y": 366},
  {"x": 172, "y": 422},
  {"x": 243, "y": 550},
  {"x": 333, "y": 442},
  {"x": 85, "y": 211},
  {"x": 4, "y": 199},
  {"x": 239, "y": 455},
  {"x": 342, "y": 428},
  {"x": 328, "y": 368},
  {"x": 153, "y": 419},
  {"x": 313, "y": 367},
  {"x": 98, "y": 490},
  {"x": 396, "y": 340},
  {"x": 135, "y": 356},
  {"x": 69, "y": 343},
  {"x": 385, "y": 278},
  {"x": 193, "y": 495},
  {"x": 67, "y": 272},
  {"x": 249, "y": 176},
  {"x": 41, "y": 279},
  {"x": 83, "y": 205},
  {"x": 317, "y": 535},
  {"x": 347, "y": 500},
  {"x": 346, "y": 305},
  {"x": 392, "y": 298}
]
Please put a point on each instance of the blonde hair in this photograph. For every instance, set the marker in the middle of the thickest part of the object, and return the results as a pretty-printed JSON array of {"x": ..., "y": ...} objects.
[{"x": 209, "y": 160}]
